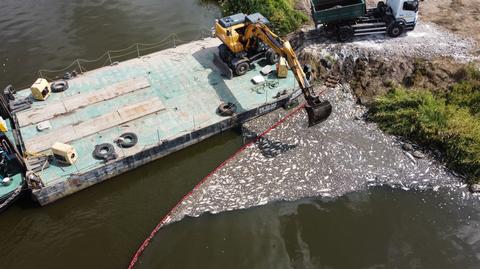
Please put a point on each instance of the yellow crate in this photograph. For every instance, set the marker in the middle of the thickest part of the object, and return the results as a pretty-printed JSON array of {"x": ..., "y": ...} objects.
[
  {"x": 41, "y": 89},
  {"x": 64, "y": 153}
]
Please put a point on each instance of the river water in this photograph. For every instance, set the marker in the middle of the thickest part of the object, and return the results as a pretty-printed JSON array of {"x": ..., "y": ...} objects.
[{"x": 102, "y": 227}]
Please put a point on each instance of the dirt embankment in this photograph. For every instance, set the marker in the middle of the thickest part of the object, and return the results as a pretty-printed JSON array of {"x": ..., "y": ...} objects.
[
  {"x": 373, "y": 76},
  {"x": 431, "y": 57}
]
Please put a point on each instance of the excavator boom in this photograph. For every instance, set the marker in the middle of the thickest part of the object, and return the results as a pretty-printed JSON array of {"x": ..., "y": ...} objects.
[
  {"x": 240, "y": 34},
  {"x": 317, "y": 110}
]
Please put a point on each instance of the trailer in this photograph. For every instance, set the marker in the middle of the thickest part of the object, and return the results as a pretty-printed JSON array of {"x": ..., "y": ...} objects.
[{"x": 346, "y": 19}]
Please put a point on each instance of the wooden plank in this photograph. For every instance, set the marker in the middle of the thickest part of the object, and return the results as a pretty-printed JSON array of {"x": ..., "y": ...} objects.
[
  {"x": 75, "y": 102},
  {"x": 77, "y": 131}
]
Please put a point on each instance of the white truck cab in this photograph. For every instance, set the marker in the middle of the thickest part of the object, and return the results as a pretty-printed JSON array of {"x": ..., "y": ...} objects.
[{"x": 404, "y": 10}]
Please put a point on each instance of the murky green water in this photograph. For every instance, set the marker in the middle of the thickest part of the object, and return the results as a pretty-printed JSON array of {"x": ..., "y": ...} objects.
[
  {"x": 102, "y": 227},
  {"x": 381, "y": 228}
]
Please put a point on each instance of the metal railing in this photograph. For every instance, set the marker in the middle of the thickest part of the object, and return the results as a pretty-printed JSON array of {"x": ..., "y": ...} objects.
[{"x": 111, "y": 57}]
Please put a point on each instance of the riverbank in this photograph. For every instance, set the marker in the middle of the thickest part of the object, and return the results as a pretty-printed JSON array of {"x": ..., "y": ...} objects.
[
  {"x": 444, "y": 122},
  {"x": 428, "y": 63},
  {"x": 293, "y": 161},
  {"x": 430, "y": 60}
]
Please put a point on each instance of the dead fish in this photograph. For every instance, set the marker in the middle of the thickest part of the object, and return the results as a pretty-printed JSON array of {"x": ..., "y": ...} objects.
[{"x": 410, "y": 156}]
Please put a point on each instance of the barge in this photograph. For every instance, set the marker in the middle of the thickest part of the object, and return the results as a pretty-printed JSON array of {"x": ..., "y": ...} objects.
[{"x": 119, "y": 117}]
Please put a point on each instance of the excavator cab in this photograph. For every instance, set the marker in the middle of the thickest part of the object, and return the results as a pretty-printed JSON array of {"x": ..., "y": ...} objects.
[{"x": 231, "y": 30}]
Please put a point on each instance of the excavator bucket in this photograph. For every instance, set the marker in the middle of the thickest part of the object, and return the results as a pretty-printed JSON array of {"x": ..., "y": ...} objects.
[{"x": 318, "y": 112}]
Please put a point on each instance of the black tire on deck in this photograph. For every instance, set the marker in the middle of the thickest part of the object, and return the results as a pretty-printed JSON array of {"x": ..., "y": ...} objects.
[
  {"x": 271, "y": 56},
  {"x": 128, "y": 140},
  {"x": 395, "y": 29},
  {"x": 103, "y": 151},
  {"x": 241, "y": 68},
  {"x": 227, "y": 109},
  {"x": 59, "y": 86},
  {"x": 345, "y": 33}
]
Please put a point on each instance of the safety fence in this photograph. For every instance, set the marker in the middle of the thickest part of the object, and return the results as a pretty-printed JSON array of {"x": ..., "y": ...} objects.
[{"x": 111, "y": 57}]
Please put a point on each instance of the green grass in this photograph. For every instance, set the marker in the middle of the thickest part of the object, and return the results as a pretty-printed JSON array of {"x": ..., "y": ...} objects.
[
  {"x": 281, "y": 13},
  {"x": 447, "y": 121}
]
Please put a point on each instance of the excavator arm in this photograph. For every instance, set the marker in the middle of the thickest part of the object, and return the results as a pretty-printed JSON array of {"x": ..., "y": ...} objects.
[{"x": 317, "y": 109}]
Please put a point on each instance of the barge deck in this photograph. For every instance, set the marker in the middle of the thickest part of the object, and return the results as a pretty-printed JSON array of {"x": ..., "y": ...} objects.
[{"x": 169, "y": 99}]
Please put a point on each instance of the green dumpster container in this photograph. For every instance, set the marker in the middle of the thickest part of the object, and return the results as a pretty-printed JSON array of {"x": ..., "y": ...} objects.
[{"x": 337, "y": 11}]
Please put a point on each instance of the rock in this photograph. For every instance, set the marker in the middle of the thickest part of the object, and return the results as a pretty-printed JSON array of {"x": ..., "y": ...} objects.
[
  {"x": 407, "y": 147},
  {"x": 475, "y": 188},
  {"x": 418, "y": 154}
]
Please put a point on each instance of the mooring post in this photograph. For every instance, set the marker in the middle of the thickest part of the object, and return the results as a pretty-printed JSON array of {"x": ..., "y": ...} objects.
[
  {"x": 109, "y": 57},
  {"x": 174, "y": 42},
  {"x": 79, "y": 66},
  {"x": 138, "y": 51}
]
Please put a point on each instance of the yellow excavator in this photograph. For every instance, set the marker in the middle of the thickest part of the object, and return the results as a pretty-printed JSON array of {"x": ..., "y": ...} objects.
[{"x": 247, "y": 38}]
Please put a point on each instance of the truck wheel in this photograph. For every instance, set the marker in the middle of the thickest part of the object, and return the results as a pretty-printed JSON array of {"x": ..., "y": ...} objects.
[
  {"x": 345, "y": 33},
  {"x": 242, "y": 68},
  {"x": 271, "y": 56},
  {"x": 380, "y": 10},
  {"x": 395, "y": 29},
  {"x": 223, "y": 52}
]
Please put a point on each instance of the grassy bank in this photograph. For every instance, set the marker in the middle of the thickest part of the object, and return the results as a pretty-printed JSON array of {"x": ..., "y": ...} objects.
[
  {"x": 282, "y": 13},
  {"x": 448, "y": 121}
]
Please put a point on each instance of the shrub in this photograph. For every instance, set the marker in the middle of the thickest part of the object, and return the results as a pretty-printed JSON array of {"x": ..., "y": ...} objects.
[
  {"x": 281, "y": 13},
  {"x": 449, "y": 124}
]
